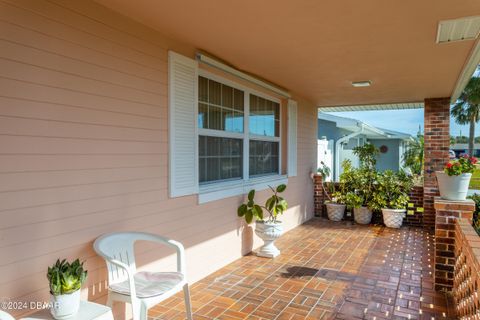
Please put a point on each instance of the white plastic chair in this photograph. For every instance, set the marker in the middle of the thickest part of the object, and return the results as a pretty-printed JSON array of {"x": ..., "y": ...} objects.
[
  {"x": 141, "y": 289},
  {"x": 5, "y": 316}
]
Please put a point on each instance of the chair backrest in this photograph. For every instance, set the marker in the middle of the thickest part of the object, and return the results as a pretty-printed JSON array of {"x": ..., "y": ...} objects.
[{"x": 118, "y": 246}]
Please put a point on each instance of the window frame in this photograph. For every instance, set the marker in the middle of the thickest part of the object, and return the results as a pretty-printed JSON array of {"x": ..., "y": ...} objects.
[{"x": 214, "y": 190}]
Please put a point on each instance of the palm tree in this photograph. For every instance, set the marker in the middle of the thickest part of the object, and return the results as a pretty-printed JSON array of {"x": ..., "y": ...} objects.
[
  {"x": 413, "y": 156},
  {"x": 467, "y": 109}
]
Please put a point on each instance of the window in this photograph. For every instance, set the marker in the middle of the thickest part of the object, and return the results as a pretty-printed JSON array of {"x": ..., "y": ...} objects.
[
  {"x": 228, "y": 149},
  {"x": 220, "y": 107},
  {"x": 264, "y": 122},
  {"x": 264, "y": 117},
  {"x": 220, "y": 158},
  {"x": 263, "y": 157}
]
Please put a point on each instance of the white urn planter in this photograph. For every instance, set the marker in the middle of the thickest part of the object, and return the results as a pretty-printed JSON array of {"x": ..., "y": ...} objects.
[
  {"x": 65, "y": 306},
  {"x": 393, "y": 218},
  {"x": 362, "y": 215},
  {"x": 335, "y": 211},
  {"x": 269, "y": 232},
  {"x": 453, "y": 187}
]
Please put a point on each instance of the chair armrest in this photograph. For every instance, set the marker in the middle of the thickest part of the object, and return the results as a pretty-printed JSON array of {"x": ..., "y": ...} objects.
[
  {"x": 176, "y": 245},
  {"x": 131, "y": 279}
]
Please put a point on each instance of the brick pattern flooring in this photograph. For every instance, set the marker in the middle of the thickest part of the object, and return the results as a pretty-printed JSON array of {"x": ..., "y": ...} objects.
[{"x": 327, "y": 270}]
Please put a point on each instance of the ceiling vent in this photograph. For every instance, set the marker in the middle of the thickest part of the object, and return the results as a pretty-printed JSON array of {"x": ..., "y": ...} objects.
[{"x": 458, "y": 29}]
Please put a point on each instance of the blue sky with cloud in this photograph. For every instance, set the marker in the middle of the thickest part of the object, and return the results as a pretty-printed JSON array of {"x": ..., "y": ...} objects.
[{"x": 401, "y": 120}]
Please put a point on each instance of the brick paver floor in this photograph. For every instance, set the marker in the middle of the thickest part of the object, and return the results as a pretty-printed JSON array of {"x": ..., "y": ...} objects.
[{"x": 327, "y": 270}]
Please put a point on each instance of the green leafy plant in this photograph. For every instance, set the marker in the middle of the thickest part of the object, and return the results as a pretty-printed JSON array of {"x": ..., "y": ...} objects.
[
  {"x": 358, "y": 183},
  {"x": 328, "y": 188},
  {"x": 367, "y": 154},
  {"x": 413, "y": 156},
  {"x": 275, "y": 206},
  {"x": 465, "y": 164},
  {"x": 324, "y": 171},
  {"x": 345, "y": 186},
  {"x": 476, "y": 217},
  {"x": 65, "y": 277},
  {"x": 391, "y": 190}
]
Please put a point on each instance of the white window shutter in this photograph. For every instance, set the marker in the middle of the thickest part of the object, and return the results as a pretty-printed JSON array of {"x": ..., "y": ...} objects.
[
  {"x": 292, "y": 138},
  {"x": 183, "y": 150}
]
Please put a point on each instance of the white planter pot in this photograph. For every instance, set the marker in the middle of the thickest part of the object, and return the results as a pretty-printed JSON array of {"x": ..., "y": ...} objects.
[
  {"x": 335, "y": 211},
  {"x": 65, "y": 306},
  {"x": 362, "y": 215},
  {"x": 453, "y": 187},
  {"x": 269, "y": 232},
  {"x": 393, "y": 218}
]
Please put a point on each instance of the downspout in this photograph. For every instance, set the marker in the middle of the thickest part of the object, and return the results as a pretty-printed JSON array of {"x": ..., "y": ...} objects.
[{"x": 338, "y": 145}]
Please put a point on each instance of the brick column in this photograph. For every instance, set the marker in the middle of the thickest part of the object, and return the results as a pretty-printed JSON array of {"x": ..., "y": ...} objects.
[
  {"x": 437, "y": 144},
  {"x": 318, "y": 195},
  {"x": 446, "y": 213}
]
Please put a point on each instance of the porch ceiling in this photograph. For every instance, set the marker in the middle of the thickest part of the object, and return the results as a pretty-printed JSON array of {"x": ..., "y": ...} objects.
[{"x": 317, "y": 48}]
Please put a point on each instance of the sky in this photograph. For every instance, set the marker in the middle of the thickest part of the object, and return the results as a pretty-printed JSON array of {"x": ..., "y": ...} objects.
[{"x": 406, "y": 121}]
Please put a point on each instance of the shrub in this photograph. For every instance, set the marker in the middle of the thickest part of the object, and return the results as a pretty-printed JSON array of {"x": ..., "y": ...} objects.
[{"x": 391, "y": 191}]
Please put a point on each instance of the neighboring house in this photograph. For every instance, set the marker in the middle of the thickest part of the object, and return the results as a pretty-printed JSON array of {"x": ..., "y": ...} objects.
[
  {"x": 338, "y": 136},
  {"x": 462, "y": 148}
]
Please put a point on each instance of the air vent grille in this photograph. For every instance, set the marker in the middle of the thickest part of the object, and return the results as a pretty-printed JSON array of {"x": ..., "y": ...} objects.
[{"x": 458, "y": 29}]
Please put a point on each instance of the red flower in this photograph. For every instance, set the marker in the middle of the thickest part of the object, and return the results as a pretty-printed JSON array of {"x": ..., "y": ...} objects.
[
  {"x": 473, "y": 160},
  {"x": 449, "y": 165}
]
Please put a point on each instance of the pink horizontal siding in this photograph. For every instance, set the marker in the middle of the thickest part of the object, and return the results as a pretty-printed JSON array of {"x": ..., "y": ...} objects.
[{"x": 84, "y": 150}]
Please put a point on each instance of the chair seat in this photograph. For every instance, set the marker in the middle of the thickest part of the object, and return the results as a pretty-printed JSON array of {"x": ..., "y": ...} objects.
[{"x": 149, "y": 284}]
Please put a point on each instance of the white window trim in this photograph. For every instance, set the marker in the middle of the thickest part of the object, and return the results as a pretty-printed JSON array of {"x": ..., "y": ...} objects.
[{"x": 223, "y": 189}]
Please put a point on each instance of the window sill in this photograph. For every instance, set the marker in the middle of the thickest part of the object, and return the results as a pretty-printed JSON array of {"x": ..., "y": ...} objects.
[{"x": 221, "y": 190}]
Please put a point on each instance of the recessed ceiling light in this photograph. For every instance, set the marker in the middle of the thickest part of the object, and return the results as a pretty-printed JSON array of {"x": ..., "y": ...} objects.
[
  {"x": 458, "y": 29},
  {"x": 358, "y": 84}
]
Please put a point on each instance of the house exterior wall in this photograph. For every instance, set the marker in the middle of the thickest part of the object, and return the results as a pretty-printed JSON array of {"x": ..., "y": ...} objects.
[
  {"x": 329, "y": 129},
  {"x": 390, "y": 159},
  {"x": 84, "y": 150}
]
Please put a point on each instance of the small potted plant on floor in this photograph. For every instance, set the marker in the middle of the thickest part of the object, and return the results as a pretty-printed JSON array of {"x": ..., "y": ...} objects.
[
  {"x": 65, "y": 281},
  {"x": 270, "y": 229},
  {"x": 391, "y": 196},
  {"x": 454, "y": 180},
  {"x": 335, "y": 204}
]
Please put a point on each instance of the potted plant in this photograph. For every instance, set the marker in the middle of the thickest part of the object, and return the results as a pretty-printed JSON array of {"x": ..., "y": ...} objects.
[
  {"x": 363, "y": 181},
  {"x": 65, "y": 281},
  {"x": 335, "y": 204},
  {"x": 268, "y": 230},
  {"x": 454, "y": 180},
  {"x": 391, "y": 196}
]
